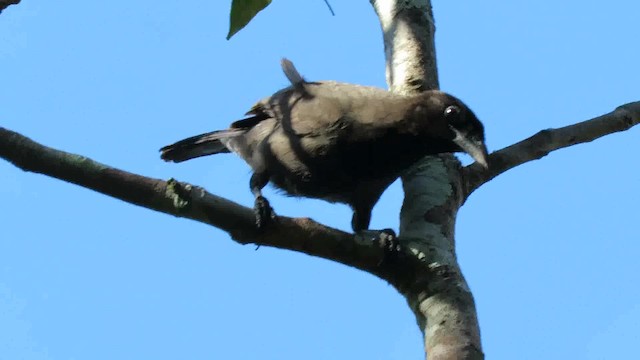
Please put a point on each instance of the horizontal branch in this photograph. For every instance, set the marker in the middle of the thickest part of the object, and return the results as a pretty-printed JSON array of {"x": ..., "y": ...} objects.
[
  {"x": 192, "y": 202},
  {"x": 541, "y": 144}
]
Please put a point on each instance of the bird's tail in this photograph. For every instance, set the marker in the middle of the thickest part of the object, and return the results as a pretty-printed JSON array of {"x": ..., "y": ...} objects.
[{"x": 199, "y": 145}]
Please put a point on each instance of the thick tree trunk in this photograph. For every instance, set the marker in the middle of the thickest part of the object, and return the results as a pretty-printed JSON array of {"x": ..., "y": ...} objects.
[{"x": 438, "y": 293}]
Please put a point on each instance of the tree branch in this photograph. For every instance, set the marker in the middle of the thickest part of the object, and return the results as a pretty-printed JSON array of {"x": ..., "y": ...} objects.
[
  {"x": 192, "y": 202},
  {"x": 5, "y": 3},
  {"x": 438, "y": 294},
  {"x": 544, "y": 142},
  {"x": 408, "y": 31}
]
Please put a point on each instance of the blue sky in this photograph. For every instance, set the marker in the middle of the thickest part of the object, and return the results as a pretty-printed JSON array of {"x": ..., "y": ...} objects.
[{"x": 549, "y": 249}]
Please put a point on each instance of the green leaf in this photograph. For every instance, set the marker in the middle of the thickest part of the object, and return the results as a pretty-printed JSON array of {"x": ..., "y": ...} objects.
[{"x": 242, "y": 11}]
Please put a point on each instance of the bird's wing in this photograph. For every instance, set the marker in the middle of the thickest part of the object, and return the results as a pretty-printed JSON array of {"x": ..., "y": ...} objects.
[{"x": 333, "y": 108}]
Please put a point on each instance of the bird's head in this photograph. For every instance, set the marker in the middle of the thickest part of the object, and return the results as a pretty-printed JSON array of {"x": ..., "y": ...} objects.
[{"x": 451, "y": 120}]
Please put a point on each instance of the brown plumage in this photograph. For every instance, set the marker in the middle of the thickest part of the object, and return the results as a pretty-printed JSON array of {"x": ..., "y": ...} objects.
[{"x": 338, "y": 142}]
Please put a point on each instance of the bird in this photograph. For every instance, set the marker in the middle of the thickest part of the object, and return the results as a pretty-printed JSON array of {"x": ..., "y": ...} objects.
[{"x": 340, "y": 142}]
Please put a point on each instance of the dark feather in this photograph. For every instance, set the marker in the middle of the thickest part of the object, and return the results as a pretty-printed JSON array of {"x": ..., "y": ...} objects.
[
  {"x": 199, "y": 145},
  {"x": 338, "y": 142}
]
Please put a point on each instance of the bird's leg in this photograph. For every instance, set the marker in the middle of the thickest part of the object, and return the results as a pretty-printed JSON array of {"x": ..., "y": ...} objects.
[
  {"x": 262, "y": 209},
  {"x": 361, "y": 216},
  {"x": 385, "y": 238}
]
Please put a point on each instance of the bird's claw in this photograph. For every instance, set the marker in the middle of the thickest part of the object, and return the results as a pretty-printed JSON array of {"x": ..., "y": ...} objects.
[
  {"x": 264, "y": 212},
  {"x": 387, "y": 240}
]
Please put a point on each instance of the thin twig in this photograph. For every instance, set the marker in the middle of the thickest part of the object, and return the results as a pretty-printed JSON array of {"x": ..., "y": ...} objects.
[{"x": 330, "y": 8}]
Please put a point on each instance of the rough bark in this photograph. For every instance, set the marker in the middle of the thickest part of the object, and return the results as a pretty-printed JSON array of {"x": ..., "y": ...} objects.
[
  {"x": 440, "y": 299},
  {"x": 438, "y": 186}
]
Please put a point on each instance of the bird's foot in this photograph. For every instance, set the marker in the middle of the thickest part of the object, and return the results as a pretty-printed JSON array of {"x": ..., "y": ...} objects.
[
  {"x": 387, "y": 240},
  {"x": 264, "y": 212}
]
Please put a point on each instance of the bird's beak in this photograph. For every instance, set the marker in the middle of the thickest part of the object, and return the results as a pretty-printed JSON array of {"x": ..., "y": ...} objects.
[{"x": 475, "y": 148}]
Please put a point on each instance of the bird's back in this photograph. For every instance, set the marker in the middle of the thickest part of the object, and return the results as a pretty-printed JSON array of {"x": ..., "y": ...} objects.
[
  {"x": 322, "y": 105},
  {"x": 329, "y": 140}
]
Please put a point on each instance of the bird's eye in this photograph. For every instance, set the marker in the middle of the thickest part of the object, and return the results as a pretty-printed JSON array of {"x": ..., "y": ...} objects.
[{"x": 452, "y": 112}]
